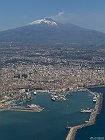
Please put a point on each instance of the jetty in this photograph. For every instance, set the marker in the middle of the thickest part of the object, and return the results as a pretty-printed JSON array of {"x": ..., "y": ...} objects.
[
  {"x": 73, "y": 130},
  {"x": 29, "y": 108}
]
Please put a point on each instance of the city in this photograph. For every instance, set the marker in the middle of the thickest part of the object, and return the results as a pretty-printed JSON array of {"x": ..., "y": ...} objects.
[
  {"x": 52, "y": 70},
  {"x": 60, "y": 70}
]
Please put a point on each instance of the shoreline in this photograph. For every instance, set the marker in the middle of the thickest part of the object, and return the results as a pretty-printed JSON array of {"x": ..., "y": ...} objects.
[{"x": 98, "y": 105}]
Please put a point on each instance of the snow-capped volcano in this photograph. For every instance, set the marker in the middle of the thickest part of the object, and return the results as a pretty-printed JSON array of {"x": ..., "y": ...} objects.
[
  {"x": 47, "y": 31},
  {"x": 47, "y": 21}
]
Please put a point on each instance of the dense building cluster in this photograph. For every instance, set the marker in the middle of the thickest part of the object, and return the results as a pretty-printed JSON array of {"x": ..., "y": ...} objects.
[{"x": 29, "y": 69}]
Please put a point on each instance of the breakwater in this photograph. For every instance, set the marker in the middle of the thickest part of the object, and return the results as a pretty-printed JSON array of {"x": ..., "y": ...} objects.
[
  {"x": 22, "y": 108},
  {"x": 73, "y": 130}
]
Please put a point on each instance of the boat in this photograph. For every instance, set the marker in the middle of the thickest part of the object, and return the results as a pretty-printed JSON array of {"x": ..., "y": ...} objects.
[
  {"x": 68, "y": 127},
  {"x": 34, "y": 92},
  {"x": 53, "y": 99},
  {"x": 94, "y": 99},
  {"x": 86, "y": 121},
  {"x": 58, "y": 97},
  {"x": 33, "y": 106},
  {"x": 88, "y": 110}
]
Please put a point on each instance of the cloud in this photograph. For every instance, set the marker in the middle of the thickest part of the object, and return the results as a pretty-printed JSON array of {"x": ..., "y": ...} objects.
[
  {"x": 60, "y": 14},
  {"x": 91, "y": 21},
  {"x": 66, "y": 17}
]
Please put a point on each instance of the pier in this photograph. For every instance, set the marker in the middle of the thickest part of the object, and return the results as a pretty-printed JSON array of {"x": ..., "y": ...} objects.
[
  {"x": 22, "y": 108},
  {"x": 73, "y": 130}
]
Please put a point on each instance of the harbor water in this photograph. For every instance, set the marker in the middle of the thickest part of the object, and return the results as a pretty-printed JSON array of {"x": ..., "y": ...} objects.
[
  {"x": 96, "y": 131},
  {"x": 49, "y": 124}
]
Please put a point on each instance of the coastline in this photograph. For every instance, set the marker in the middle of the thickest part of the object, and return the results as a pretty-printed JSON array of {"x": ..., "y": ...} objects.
[{"x": 73, "y": 130}]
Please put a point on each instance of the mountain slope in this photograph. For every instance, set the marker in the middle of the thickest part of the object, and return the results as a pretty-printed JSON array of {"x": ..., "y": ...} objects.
[{"x": 49, "y": 31}]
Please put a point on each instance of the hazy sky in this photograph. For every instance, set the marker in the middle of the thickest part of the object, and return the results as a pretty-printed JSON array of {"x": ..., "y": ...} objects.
[{"x": 85, "y": 13}]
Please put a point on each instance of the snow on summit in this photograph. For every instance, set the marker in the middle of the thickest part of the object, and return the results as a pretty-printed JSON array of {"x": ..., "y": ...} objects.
[{"x": 47, "y": 21}]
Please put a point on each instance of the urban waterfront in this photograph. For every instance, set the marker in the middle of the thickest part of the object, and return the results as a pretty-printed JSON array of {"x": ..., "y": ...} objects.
[
  {"x": 49, "y": 124},
  {"x": 96, "y": 131}
]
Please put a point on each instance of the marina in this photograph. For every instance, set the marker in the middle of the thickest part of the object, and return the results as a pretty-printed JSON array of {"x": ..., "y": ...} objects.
[{"x": 55, "y": 114}]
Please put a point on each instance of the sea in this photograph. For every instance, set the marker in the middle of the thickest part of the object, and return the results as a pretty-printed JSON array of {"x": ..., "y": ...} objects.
[
  {"x": 96, "y": 131},
  {"x": 52, "y": 123}
]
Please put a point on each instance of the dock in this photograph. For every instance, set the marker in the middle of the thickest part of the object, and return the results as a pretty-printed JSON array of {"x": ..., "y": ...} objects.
[
  {"x": 22, "y": 108},
  {"x": 73, "y": 130}
]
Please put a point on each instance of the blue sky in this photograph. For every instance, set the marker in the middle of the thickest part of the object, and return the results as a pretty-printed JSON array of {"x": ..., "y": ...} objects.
[{"x": 85, "y": 13}]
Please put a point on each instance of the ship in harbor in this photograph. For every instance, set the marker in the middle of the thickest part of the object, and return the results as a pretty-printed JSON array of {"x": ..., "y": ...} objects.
[
  {"x": 58, "y": 97},
  {"x": 88, "y": 110},
  {"x": 94, "y": 99},
  {"x": 35, "y": 92},
  {"x": 34, "y": 106}
]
